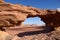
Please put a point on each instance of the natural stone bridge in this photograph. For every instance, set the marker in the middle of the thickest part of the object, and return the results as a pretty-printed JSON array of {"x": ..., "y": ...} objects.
[{"x": 15, "y": 14}]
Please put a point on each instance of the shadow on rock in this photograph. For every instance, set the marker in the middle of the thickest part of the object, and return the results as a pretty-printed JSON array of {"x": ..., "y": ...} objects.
[{"x": 47, "y": 30}]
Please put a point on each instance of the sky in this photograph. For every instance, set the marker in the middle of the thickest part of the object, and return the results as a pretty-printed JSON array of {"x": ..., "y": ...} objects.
[{"x": 43, "y": 4}]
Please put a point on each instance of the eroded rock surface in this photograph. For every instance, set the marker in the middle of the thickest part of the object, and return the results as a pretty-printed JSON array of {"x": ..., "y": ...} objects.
[
  {"x": 54, "y": 35},
  {"x": 12, "y": 15},
  {"x": 5, "y": 36},
  {"x": 15, "y": 14}
]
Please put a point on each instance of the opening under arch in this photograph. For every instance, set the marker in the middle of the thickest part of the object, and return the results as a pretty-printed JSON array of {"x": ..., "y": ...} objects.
[{"x": 33, "y": 21}]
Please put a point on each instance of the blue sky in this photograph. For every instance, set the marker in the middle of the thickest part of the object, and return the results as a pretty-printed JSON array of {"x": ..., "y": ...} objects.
[{"x": 44, "y": 4}]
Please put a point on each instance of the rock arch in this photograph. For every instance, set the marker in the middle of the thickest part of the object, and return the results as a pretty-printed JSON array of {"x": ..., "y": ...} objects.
[
  {"x": 15, "y": 14},
  {"x": 50, "y": 17}
]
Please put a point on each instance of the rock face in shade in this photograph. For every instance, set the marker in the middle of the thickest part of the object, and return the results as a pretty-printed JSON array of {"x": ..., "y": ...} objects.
[{"x": 15, "y": 14}]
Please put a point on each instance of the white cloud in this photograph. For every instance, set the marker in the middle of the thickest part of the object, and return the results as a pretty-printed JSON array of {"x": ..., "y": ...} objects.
[{"x": 58, "y": 9}]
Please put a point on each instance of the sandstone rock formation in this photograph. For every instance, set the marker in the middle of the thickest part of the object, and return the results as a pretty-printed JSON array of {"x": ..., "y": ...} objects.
[
  {"x": 15, "y": 14},
  {"x": 5, "y": 36}
]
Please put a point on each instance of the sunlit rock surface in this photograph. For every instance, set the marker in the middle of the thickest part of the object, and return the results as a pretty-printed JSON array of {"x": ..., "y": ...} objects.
[
  {"x": 15, "y": 14},
  {"x": 5, "y": 36},
  {"x": 12, "y": 15}
]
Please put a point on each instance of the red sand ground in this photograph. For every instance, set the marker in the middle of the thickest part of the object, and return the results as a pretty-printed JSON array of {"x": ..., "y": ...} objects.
[{"x": 16, "y": 30}]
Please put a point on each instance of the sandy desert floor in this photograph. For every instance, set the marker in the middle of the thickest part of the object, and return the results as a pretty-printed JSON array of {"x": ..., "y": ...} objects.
[
  {"x": 33, "y": 33},
  {"x": 17, "y": 30}
]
